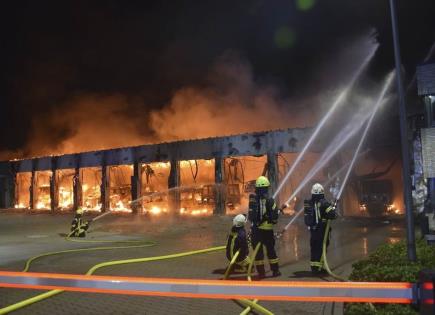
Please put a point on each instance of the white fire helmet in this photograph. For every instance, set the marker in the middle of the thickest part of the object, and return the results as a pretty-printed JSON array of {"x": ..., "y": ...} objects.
[
  {"x": 317, "y": 189},
  {"x": 239, "y": 220}
]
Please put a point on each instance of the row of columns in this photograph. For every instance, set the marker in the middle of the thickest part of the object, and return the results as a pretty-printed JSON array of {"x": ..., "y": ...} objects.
[{"x": 174, "y": 201}]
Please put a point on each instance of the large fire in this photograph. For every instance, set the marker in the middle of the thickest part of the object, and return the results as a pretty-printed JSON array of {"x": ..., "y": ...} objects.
[
  {"x": 197, "y": 191},
  {"x": 90, "y": 179},
  {"x": 66, "y": 190}
]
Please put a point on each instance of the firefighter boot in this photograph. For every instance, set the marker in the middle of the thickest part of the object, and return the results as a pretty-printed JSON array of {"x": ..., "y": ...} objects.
[
  {"x": 261, "y": 271},
  {"x": 275, "y": 270}
]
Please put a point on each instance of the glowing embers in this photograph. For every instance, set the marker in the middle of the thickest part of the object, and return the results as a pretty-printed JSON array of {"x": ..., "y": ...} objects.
[
  {"x": 240, "y": 175},
  {"x": 90, "y": 179},
  {"x": 41, "y": 191},
  {"x": 22, "y": 190},
  {"x": 392, "y": 209},
  {"x": 154, "y": 188},
  {"x": 65, "y": 180},
  {"x": 196, "y": 212},
  {"x": 120, "y": 187},
  {"x": 197, "y": 189}
]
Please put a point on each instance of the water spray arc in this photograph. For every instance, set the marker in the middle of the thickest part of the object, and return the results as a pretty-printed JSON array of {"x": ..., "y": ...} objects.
[
  {"x": 347, "y": 133},
  {"x": 339, "y": 141},
  {"x": 341, "y": 97},
  {"x": 298, "y": 213},
  {"x": 325, "y": 158},
  {"x": 343, "y": 168},
  {"x": 361, "y": 141},
  {"x": 364, "y": 135}
]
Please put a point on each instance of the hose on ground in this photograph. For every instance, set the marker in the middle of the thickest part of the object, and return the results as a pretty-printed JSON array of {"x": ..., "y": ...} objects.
[
  {"x": 248, "y": 303},
  {"x": 249, "y": 308},
  {"x": 30, "y": 260},
  {"x": 45, "y": 295},
  {"x": 325, "y": 261}
]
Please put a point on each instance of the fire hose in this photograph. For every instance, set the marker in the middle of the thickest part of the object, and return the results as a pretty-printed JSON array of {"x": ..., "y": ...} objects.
[
  {"x": 324, "y": 258},
  {"x": 93, "y": 269},
  {"x": 248, "y": 303}
]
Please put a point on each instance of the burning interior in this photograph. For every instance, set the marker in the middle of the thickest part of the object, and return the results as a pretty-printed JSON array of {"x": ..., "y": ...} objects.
[
  {"x": 41, "y": 197},
  {"x": 197, "y": 187},
  {"x": 91, "y": 179},
  {"x": 375, "y": 189},
  {"x": 371, "y": 194},
  {"x": 154, "y": 187},
  {"x": 22, "y": 190},
  {"x": 120, "y": 187},
  {"x": 240, "y": 175},
  {"x": 65, "y": 180}
]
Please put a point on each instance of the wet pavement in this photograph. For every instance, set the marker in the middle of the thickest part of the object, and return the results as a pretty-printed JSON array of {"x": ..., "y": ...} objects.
[{"x": 24, "y": 236}]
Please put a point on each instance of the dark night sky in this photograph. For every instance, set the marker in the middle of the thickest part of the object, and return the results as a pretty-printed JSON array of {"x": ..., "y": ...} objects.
[{"x": 53, "y": 50}]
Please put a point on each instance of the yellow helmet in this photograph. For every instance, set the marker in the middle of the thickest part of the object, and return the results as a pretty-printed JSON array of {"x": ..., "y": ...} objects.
[
  {"x": 262, "y": 181},
  {"x": 79, "y": 210}
]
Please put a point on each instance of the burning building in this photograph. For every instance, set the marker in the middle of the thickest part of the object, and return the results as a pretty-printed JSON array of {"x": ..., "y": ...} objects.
[{"x": 195, "y": 177}]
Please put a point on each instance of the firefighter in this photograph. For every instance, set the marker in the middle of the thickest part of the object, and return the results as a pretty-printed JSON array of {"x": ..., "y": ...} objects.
[
  {"x": 263, "y": 214},
  {"x": 237, "y": 241},
  {"x": 317, "y": 211},
  {"x": 78, "y": 225}
]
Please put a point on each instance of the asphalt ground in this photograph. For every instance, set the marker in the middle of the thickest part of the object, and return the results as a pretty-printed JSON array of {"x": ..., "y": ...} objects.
[{"x": 27, "y": 235}]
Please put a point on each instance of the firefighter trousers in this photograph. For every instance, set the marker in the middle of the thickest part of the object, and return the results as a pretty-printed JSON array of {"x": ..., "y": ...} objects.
[
  {"x": 316, "y": 244},
  {"x": 267, "y": 239}
]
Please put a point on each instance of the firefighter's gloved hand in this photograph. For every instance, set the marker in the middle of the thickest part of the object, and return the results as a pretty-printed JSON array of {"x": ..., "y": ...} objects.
[{"x": 335, "y": 208}]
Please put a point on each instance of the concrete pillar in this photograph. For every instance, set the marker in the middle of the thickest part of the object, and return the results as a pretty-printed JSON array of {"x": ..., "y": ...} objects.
[
  {"x": 136, "y": 187},
  {"x": 77, "y": 189},
  {"x": 54, "y": 186},
  {"x": 272, "y": 173},
  {"x": 220, "y": 188},
  {"x": 14, "y": 189},
  {"x": 105, "y": 188},
  {"x": 173, "y": 182},
  {"x": 54, "y": 192},
  {"x": 32, "y": 201}
]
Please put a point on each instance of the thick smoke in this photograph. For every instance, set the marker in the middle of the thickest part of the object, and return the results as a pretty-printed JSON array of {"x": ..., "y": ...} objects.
[
  {"x": 233, "y": 103},
  {"x": 230, "y": 101},
  {"x": 89, "y": 122}
]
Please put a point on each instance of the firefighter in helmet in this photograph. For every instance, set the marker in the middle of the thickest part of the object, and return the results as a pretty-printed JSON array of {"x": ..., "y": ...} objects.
[
  {"x": 263, "y": 214},
  {"x": 317, "y": 211},
  {"x": 78, "y": 225},
  {"x": 237, "y": 241}
]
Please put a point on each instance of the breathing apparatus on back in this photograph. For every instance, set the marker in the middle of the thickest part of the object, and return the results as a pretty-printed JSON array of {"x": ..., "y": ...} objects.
[{"x": 312, "y": 214}]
